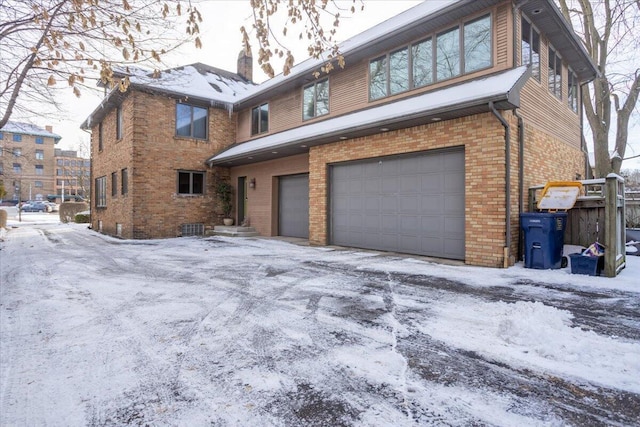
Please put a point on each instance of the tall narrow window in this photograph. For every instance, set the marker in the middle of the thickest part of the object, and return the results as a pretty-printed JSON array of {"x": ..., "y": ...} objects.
[
  {"x": 114, "y": 184},
  {"x": 119, "y": 123},
  {"x": 101, "y": 192},
  {"x": 530, "y": 47},
  {"x": 260, "y": 119},
  {"x": 477, "y": 44},
  {"x": 316, "y": 99},
  {"x": 190, "y": 182},
  {"x": 124, "y": 178},
  {"x": 378, "y": 78},
  {"x": 100, "y": 140},
  {"x": 555, "y": 73},
  {"x": 572, "y": 91},
  {"x": 422, "y": 63},
  {"x": 399, "y": 71},
  {"x": 448, "y": 54}
]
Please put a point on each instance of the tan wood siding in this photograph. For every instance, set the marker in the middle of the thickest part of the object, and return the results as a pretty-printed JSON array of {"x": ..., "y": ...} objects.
[{"x": 349, "y": 89}]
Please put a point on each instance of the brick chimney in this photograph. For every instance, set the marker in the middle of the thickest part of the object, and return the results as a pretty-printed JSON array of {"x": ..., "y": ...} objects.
[
  {"x": 245, "y": 65},
  {"x": 49, "y": 128}
]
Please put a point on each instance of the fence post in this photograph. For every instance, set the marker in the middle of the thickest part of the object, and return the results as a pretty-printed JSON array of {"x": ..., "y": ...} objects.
[{"x": 614, "y": 255}]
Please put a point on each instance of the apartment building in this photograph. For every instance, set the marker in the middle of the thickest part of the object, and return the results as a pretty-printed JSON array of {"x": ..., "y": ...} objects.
[
  {"x": 424, "y": 143},
  {"x": 27, "y": 161},
  {"x": 73, "y": 174}
]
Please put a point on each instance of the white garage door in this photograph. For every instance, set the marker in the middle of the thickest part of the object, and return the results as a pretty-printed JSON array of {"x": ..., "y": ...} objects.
[
  {"x": 293, "y": 206},
  {"x": 411, "y": 204}
]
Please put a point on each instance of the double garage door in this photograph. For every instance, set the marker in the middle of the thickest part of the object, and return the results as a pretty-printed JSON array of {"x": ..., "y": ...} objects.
[{"x": 411, "y": 204}]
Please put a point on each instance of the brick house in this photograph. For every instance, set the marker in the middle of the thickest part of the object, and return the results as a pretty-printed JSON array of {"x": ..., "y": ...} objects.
[
  {"x": 27, "y": 160},
  {"x": 424, "y": 143}
]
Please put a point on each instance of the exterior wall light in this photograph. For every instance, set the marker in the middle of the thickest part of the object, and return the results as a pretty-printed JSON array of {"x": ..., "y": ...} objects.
[{"x": 252, "y": 183}]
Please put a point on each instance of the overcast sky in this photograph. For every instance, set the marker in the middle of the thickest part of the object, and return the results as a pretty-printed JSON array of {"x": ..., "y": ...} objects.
[{"x": 220, "y": 33}]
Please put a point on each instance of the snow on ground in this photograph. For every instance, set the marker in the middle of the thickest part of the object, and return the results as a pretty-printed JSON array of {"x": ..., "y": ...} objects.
[{"x": 221, "y": 331}]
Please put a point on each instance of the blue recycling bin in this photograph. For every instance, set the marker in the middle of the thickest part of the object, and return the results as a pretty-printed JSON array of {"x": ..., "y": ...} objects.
[{"x": 543, "y": 239}]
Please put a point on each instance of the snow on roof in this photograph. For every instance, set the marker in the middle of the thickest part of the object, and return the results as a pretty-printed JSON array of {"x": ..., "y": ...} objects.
[
  {"x": 473, "y": 91},
  {"x": 198, "y": 81},
  {"x": 28, "y": 129},
  {"x": 364, "y": 38}
]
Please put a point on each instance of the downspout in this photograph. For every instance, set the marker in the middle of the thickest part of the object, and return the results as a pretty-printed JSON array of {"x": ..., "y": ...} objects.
[
  {"x": 588, "y": 174},
  {"x": 520, "y": 177},
  {"x": 507, "y": 184}
]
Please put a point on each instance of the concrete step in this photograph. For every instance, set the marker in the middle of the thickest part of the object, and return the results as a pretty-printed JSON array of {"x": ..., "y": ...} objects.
[{"x": 233, "y": 231}]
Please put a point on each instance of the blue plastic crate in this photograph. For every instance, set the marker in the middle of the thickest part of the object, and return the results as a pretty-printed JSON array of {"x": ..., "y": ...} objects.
[{"x": 589, "y": 265}]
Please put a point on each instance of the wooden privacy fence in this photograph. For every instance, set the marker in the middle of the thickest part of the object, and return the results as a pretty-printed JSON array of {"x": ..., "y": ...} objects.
[{"x": 597, "y": 216}]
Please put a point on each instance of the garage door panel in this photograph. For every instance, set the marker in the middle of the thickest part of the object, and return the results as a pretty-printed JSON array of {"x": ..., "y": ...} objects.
[
  {"x": 411, "y": 204},
  {"x": 293, "y": 206},
  {"x": 408, "y": 205},
  {"x": 431, "y": 183}
]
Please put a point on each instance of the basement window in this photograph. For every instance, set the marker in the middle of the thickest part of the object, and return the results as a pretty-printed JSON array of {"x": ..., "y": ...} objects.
[{"x": 192, "y": 230}]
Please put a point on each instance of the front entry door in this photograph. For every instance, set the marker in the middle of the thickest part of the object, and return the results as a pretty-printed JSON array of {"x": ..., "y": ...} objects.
[{"x": 242, "y": 199}]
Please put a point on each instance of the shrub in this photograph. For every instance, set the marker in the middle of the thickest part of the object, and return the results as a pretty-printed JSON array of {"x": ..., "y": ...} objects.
[
  {"x": 68, "y": 210},
  {"x": 3, "y": 218},
  {"x": 83, "y": 217}
]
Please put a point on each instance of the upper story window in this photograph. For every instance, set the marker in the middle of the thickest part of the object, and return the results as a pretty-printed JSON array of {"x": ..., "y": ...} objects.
[
  {"x": 316, "y": 99},
  {"x": 191, "y": 121},
  {"x": 100, "y": 138},
  {"x": 119, "y": 123},
  {"x": 190, "y": 182},
  {"x": 38, "y": 184},
  {"x": 39, "y": 140},
  {"x": 60, "y": 162},
  {"x": 422, "y": 64},
  {"x": 530, "y": 47},
  {"x": 17, "y": 168},
  {"x": 448, "y": 54},
  {"x": 462, "y": 49},
  {"x": 477, "y": 44},
  {"x": 260, "y": 119},
  {"x": 17, "y": 152},
  {"x": 39, "y": 170},
  {"x": 555, "y": 73},
  {"x": 39, "y": 154},
  {"x": 1, "y": 135},
  {"x": 17, "y": 137},
  {"x": 572, "y": 91}
]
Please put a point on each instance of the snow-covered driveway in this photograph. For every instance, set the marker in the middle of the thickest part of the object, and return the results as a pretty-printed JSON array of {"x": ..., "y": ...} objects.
[{"x": 255, "y": 332}]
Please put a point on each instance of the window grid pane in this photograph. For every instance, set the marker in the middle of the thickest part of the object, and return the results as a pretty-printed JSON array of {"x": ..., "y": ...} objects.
[
  {"x": 477, "y": 44},
  {"x": 399, "y": 71},
  {"x": 422, "y": 63},
  {"x": 378, "y": 78},
  {"x": 448, "y": 54}
]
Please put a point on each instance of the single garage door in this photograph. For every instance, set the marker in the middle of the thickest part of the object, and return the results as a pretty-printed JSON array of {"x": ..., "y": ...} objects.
[
  {"x": 411, "y": 204},
  {"x": 293, "y": 206}
]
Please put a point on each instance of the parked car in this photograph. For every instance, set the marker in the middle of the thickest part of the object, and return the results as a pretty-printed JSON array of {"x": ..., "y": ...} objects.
[
  {"x": 53, "y": 207},
  {"x": 35, "y": 206}
]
